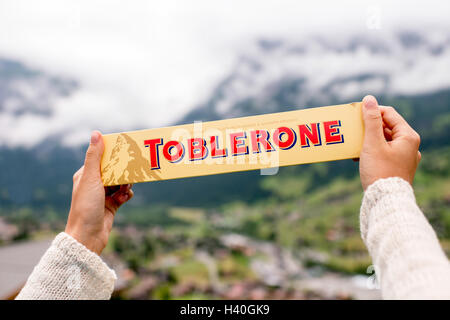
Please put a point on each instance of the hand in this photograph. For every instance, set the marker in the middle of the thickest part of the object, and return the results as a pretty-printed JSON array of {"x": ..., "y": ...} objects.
[
  {"x": 94, "y": 206},
  {"x": 391, "y": 146}
]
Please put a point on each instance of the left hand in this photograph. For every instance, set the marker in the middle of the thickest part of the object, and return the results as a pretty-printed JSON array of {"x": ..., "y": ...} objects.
[{"x": 94, "y": 206}]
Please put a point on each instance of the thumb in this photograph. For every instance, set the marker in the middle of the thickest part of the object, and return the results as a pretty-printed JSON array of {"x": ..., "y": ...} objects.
[
  {"x": 373, "y": 122},
  {"x": 94, "y": 155}
]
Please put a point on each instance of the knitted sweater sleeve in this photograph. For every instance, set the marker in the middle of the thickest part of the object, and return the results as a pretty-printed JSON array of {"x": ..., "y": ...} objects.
[
  {"x": 408, "y": 259},
  {"x": 69, "y": 271}
]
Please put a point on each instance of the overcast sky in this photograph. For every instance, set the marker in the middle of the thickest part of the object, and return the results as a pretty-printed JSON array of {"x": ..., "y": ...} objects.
[{"x": 160, "y": 58}]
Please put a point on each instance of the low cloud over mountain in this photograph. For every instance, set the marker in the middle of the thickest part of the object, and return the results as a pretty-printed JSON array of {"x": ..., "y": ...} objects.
[
  {"x": 276, "y": 75},
  {"x": 27, "y": 98},
  {"x": 269, "y": 75}
]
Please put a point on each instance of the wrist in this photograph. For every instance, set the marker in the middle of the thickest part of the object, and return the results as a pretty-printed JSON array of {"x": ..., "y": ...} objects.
[
  {"x": 384, "y": 197},
  {"x": 369, "y": 181},
  {"x": 89, "y": 242},
  {"x": 383, "y": 187}
]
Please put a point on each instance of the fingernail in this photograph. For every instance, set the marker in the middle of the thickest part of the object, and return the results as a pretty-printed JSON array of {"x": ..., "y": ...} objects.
[
  {"x": 95, "y": 136},
  {"x": 369, "y": 102}
]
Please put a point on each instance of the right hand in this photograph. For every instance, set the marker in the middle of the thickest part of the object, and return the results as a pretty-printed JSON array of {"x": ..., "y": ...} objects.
[{"x": 390, "y": 147}]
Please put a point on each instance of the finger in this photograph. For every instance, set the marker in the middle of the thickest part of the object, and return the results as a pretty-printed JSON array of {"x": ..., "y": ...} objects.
[
  {"x": 111, "y": 190},
  {"x": 124, "y": 194},
  {"x": 77, "y": 175},
  {"x": 117, "y": 200},
  {"x": 122, "y": 197},
  {"x": 94, "y": 156},
  {"x": 395, "y": 122},
  {"x": 111, "y": 204},
  {"x": 373, "y": 122},
  {"x": 125, "y": 187},
  {"x": 419, "y": 156},
  {"x": 388, "y": 134},
  {"x": 130, "y": 195}
]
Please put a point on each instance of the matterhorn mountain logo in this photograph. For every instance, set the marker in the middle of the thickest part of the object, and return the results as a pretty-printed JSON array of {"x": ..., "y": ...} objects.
[{"x": 127, "y": 163}]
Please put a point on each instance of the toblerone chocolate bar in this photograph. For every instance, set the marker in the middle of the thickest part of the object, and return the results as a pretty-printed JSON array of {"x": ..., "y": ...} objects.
[{"x": 249, "y": 143}]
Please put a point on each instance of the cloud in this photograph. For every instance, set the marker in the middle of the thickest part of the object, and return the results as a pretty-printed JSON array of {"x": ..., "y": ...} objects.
[
  {"x": 339, "y": 67},
  {"x": 145, "y": 63}
]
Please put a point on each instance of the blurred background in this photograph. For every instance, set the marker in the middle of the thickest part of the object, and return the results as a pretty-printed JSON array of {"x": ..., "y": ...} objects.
[{"x": 68, "y": 67}]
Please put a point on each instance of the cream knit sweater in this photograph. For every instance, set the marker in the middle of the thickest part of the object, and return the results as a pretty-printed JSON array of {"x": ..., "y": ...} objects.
[
  {"x": 69, "y": 271},
  {"x": 405, "y": 250}
]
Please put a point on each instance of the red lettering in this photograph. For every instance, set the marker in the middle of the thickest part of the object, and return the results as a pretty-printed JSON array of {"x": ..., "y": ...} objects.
[
  {"x": 260, "y": 137},
  {"x": 168, "y": 151},
  {"x": 290, "y": 140},
  {"x": 197, "y": 149},
  {"x": 308, "y": 134},
  {"x": 238, "y": 146},
  {"x": 331, "y": 129},
  {"x": 153, "y": 145},
  {"x": 215, "y": 151}
]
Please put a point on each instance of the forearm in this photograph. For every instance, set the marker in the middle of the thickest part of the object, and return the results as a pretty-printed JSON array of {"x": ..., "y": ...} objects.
[
  {"x": 404, "y": 247},
  {"x": 69, "y": 271}
]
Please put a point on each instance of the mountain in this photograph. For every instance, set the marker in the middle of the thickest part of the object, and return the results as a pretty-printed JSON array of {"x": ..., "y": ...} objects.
[
  {"x": 406, "y": 70},
  {"x": 38, "y": 174},
  {"x": 280, "y": 75},
  {"x": 28, "y": 99},
  {"x": 127, "y": 152},
  {"x": 24, "y": 90}
]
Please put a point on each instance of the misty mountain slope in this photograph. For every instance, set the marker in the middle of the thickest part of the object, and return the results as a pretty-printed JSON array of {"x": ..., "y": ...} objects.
[
  {"x": 32, "y": 178},
  {"x": 407, "y": 70},
  {"x": 281, "y": 75},
  {"x": 24, "y": 90},
  {"x": 40, "y": 173},
  {"x": 270, "y": 75},
  {"x": 28, "y": 95}
]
